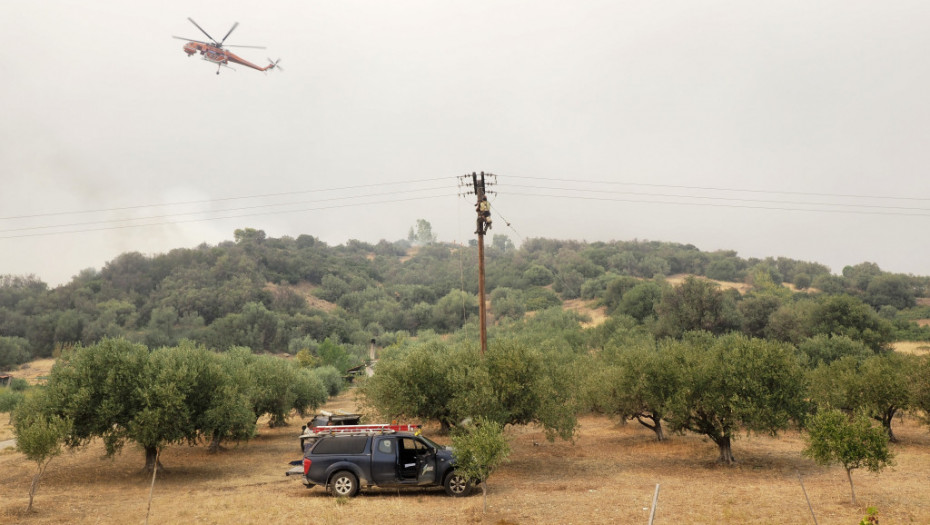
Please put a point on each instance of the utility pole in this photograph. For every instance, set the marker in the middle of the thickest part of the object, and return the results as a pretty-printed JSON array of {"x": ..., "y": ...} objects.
[{"x": 483, "y": 208}]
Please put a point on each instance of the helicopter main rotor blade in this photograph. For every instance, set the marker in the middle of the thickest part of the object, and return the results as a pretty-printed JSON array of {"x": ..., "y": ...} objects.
[
  {"x": 235, "y": 25},
  {"x": 191, "y": 40},
  {"x": 251, "y": 47},
  {"x": 202, "y": 31}
]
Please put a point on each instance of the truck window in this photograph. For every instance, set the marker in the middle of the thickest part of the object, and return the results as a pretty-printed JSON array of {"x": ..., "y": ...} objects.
[
  {"x": 386, "y": 446},
  {"x": 341, "y": 445}
]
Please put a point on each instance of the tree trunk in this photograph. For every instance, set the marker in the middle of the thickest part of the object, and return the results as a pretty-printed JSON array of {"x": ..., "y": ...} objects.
[
  {"x": 726, "y": 452},
  {"x": 484, "y": 492},
  {"x": 214, "y": 446},
  {"x": 887, "y": 416},
  {"x": 151, "y": 459},
  {"x": 148, "y": 509},
  {"x": 851, "y": 487},
  {"x": 656, "y": 425},
  {"x": 40, "y": 469}
]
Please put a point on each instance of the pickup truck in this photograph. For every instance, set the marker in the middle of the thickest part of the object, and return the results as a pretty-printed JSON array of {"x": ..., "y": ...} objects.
[{"x": 344, "y": 462}]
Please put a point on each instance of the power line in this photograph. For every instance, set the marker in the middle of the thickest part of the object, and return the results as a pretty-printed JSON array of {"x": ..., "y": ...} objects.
[
  {"x": 712, "y": 188},
  {"x": 221, "y": 199},
  {"x": 170, "y": 215},
  {"x": 221, "y": 218},
  {"x": 680, "y": 203},
  {"x": 644, "y": 194}
]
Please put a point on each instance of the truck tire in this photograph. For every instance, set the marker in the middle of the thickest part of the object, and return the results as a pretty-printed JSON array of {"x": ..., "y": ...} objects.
[
  {"x": 457, "y": 485},
  {"x": 344, "y": 484}
]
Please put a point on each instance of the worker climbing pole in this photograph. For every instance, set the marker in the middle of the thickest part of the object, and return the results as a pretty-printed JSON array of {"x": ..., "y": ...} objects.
[{"x": 483, "y": 208}]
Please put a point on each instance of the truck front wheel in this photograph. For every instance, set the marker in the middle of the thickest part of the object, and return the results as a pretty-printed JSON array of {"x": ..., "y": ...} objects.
[{"x": 457, "y": 485}]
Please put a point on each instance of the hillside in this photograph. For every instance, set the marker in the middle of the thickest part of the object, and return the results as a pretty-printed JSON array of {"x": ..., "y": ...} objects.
[{"x": 282, "y": 294}]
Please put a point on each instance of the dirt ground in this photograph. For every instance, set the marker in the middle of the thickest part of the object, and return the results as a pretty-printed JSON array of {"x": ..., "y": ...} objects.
[{"x": 609, "y": 475}]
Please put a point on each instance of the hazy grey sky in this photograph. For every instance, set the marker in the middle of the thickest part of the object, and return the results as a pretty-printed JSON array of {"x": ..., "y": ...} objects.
[{"x": 645, "y": 117}]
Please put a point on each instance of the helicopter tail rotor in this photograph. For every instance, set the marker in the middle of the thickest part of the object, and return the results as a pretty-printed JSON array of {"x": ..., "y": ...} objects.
[{"x": 273, "y": 64}]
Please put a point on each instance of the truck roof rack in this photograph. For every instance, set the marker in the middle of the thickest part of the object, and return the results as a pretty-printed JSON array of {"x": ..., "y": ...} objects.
[{"x": 358, "y": 429}]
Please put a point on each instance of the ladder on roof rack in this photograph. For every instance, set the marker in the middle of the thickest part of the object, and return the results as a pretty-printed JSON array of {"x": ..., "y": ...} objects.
[{"x": 358, "y": 429}]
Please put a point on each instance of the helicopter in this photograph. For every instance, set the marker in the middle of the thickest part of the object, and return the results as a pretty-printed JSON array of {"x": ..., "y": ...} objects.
[{"x": 213, "y": 51}]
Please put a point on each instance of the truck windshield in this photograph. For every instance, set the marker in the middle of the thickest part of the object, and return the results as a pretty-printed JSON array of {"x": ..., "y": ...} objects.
[{"x": 432, "y": 443}]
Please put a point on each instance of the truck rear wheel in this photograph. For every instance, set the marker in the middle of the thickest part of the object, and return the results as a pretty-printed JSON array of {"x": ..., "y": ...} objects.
[{"x": 344, "y": 484}]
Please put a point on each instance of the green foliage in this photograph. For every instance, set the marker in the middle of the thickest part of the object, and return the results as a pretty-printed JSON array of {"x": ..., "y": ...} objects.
[
  {"x": 331, "y": 378},
  {"x": 802, "y": 281},
  {"x": 416, "y": 381},
  {"x": 39, "y": 436},
  {"x": 274, "y": 386},
  {"x": 636, "y": 381},
  {"x": 306, "y": 359},
  {"x": 726, "y": 269},
  {"x": 540, "y": 299},
  {"x": 515, "y": 383},
  {"x": 791, "y": 322},
  {"x": 765, "y": 281},
  {"x": 870, "y": 518},
  {"x": 824, "y": 349},
  {"x": 479, "y": 449},
  {"x": 336, "y": 356},
  {"x": 853, "y": 442},
  {"x": 537, "y": 275},
  {"x": 508, "y": 303},
  {"x": 890, "y": 290},
  {"x": 96, "y": 388},
  {"x": 9, "y": 400},
  {"x": 696, "y": 304},
  {"x": 878, "y": 386},
  {"x": 122, "y": 392},
  {"x": 640, "y": 301},
  {"x": 251, "y": 292},
  {"x": 860, "y": 275},
  {"x": 920, "y": 386},
  {"x": 451, "y": 311},
  {"x": 756, "y": 310},
  {"x": 846, "y": 315},
  {"x": 13, "y": 351},
  {"x": 733, "y": 383}
]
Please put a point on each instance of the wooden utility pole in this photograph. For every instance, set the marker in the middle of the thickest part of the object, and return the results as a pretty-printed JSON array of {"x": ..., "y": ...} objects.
[{"x": 483, "y": 208}]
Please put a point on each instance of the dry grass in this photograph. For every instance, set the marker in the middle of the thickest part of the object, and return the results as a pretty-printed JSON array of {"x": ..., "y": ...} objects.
[
  {"x": 34, "y": 370},
  {"x": 724, "y": 285},
  {"x": 597, "y": 314},
  {"x": 912, "y": 347},
  {"x": 607, "y": 476},
  {"x": 305, "y": 290}
]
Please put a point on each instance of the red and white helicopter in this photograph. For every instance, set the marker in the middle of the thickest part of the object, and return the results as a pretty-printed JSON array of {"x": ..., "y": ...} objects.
[{"x": 213, "y": 51}]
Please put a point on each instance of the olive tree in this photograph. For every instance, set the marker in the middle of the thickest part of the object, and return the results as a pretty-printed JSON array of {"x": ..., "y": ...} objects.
[
  {"x": 515, "y": 383},
  {"x": 878, "y": 385},
  {"x": 479, "y": 449},
  {"x": 834, "y": 437},
  {"x": 38, "y": 436},
  {"x": 96, "y": 387},
  {"x": 733, "y": 383},
  {"x": 920, "y": 386},
  {"x": 638, "y": 384},
  {"x": 695, "y": 304},
  {"x": 416, "y": 381}
]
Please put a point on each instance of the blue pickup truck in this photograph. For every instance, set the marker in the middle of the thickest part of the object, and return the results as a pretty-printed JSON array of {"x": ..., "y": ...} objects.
[{"x": 346, "y": 461}]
